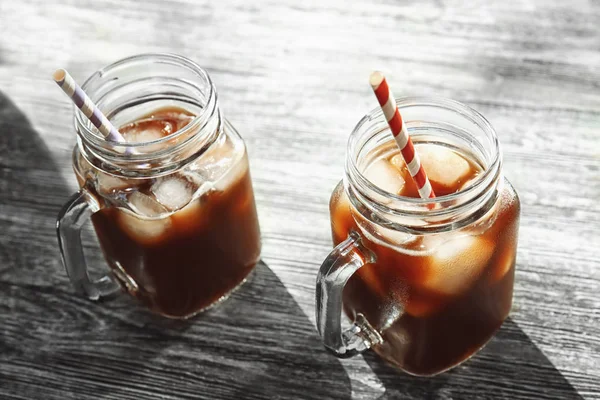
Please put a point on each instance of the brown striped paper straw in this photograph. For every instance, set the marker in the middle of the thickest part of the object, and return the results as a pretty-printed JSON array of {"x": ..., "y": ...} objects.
[{"x": 87, "y": 106}]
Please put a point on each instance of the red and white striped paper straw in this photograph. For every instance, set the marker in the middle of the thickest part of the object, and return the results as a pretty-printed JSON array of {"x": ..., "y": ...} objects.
[
  {"x": 392, "y": 115},
  {"x": 87, "y": 106}
]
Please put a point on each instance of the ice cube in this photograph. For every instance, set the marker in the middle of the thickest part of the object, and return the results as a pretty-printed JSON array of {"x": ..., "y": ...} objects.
[
  {"x": 410, "y": 187},
  {"x": 173, "y": 191},
  {"x": 146, "y": 130},
  {"x": 443, "y": 166},
  {"x": 146, "y": 223},
  {"x": 503, "y": 264},
  {"x": 469, "y": 182},
  {"x": 454, "y": 265},
  {"x": 109, "y": 184},
  {"x": 383, "y": 236},
  {"x": 191, "y": 214},
  {"x": 145, "y": 205},
  {"x": 232, "y": 174},
  {"x": 179, "y": 117},
  {"x": 193, "y": 176},
  {"x": 385, "y": 176},
  {"x": 222, "y": 164}
]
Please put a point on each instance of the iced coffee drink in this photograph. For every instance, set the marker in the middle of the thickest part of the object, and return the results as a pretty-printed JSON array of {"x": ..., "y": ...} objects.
[
  {"x": 425, "y": 282},
  {"x": 182, "y": 241},
  {"x": 436, "y": 298}
]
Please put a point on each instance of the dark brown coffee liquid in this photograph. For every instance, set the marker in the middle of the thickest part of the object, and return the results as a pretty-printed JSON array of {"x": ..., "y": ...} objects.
[
  {"x": 433, "y": 310},
  {"x": 182, "y": 262}
]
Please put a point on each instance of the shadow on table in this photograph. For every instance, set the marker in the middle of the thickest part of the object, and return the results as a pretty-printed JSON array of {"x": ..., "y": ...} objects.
[
  {"x": 32, "y": 191},
  {"x": 31, "y": 194},
  {"x": 511, "y": 366},
  {"x": 258, "y": 344}
]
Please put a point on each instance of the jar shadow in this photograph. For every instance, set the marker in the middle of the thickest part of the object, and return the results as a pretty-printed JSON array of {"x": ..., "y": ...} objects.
[
  {"x": 257, "y": 344},
  {"x": 510, "y": 366}
]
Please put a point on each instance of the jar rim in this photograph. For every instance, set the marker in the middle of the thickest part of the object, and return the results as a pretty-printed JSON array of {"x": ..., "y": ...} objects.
[
  {"x": 88, "y": 131},
  {"x": 455, "y": 124},
  {"x": 353, "y": 172}
]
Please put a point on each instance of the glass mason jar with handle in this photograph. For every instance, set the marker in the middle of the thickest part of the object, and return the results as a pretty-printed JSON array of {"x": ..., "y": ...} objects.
[
  {"x": 426, "y": 282},
  {"x": 173, "y": 206}
]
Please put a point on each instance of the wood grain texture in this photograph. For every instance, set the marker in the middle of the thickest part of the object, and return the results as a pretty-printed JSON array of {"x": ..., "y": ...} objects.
[{"x": 293, "y": 78}]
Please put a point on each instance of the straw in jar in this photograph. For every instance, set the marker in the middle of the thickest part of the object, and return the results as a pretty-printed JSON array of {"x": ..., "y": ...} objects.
[
  {"x": 407, "y": 149},
  {"x": 87, "y": 106}
]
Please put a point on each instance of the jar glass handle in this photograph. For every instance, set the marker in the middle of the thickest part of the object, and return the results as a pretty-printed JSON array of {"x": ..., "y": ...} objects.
[
  {"x": 68, "y": 228},
  {"x": 345, "y": 259}
]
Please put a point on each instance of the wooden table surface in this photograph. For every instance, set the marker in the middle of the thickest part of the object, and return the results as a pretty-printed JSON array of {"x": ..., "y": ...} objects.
[{"x": 293, "y": 78}]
